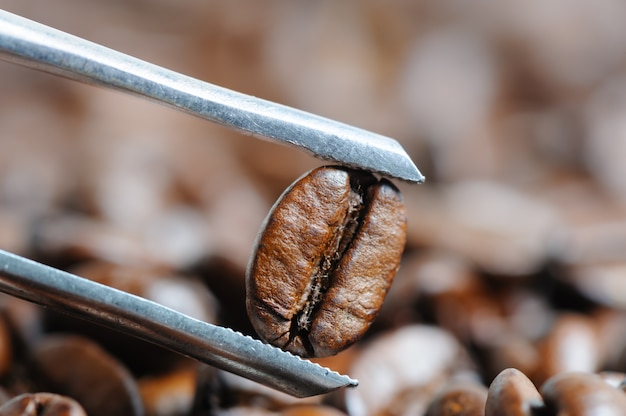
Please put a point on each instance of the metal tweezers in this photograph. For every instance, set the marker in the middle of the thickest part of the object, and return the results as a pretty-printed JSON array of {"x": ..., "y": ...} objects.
[{"x": 40, "y": 47}]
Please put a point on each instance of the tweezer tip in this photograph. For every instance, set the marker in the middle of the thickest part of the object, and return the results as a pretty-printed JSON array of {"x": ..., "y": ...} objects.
[
  {"x": 282, "y": 370},
  {"x": 337, "y": 379},
  {"x": 405, "y": 170},
  {"x": 413, "y": 177},
  {"x": 351, "y": 382},
  {"x": 387, "y": 157}
]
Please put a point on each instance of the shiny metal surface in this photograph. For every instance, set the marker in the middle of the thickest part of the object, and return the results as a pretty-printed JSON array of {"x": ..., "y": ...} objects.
[
  {"x": 136, "y": 316},
  {"x": 37, "y": 46}
]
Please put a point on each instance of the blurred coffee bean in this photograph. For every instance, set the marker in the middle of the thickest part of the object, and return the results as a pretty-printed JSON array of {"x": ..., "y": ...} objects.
[
  {"x": 5, "y": 396},
  {"x": 503, "y": 230},
  {"x": 582, "y": 394},
  {"x": 6, "y": 346},
  {"x": 311, "y": 410},
  {"x": 564, "y": 63},
  {"x": 243, "y": 392},
  {"x": 36, "y": 163},
  {"x": 571, "y": 345},
  {"x": 68, "y": 239},
  {"x": 177, "y": 238},
  {"x": 443, "y": 288},
  {"x": 606, "y": 134},
  {"x": 169, "y": 394},
  {"x": 226, "y": 280},
  {"x": 511, "y": 393},
  {"x": 593, "y": 227},
  {"x": 324, "y": 260},
  {"x": 182, "y": 293},
  {"x": 234, "y": 219},
  {"x": 512, "y": 351},
  {"x": 15, "y": 231},
  {"x": 459, "y": 397},
  {"x": 527, "y": 311},
  {"x": 363, "y": 60},
  {"x": 433, "y": 285},
  {"x": 602, "y": 283},
  {"x": 439, "y": 64},
  {"x": 399, "y": 371},
  {"x": 611, "y": 329},
  {"x": 42, "y": 404},
  {"x": 208, "y": 391},
  {"x": 245, "y": 411},
  {"x": 77, "y": 367},
  {"x": 126, "y": 177},
  {"x": 526, "y": 319}
]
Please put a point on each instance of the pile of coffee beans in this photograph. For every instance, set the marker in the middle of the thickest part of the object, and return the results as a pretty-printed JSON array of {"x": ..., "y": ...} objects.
[{"x": 509, "y": 295}]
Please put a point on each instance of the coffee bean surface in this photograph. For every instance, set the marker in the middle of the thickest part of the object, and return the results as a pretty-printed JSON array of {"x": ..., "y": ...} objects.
[
  {"x": 42, "y": 404},
  {"x": 324, "y": 260},
  {"x": 513, "y": 393}
]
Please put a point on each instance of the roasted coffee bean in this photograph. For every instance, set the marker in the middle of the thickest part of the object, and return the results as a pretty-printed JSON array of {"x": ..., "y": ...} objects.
[
  {"x": 572, "y": 345},
  {"x": 42, "y": 404},
  {"x": 246, "y": 392},
  {"x": 6, "y": 347},
  {"x": 77, "y": 367},
  {"x": 459, "y": 398},
  {"x": 169, "y": 394},
  {"x": 324, "y": 260},
  {"x": 400, "y": 371},
  {"x": 512, "y": 393},
  {"x": 578, "y": 393},
  {"x": 311, "y": 410}
]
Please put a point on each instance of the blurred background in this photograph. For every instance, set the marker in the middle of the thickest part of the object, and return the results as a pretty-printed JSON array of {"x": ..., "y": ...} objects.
[{"x": 514, "y": 111}]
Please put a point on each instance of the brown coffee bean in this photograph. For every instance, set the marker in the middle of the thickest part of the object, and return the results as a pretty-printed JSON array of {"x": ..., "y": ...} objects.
[
  {"x": 571, "y": 345},
  {"x": 169, "y": 394},
  {"x": 324, "y": 261},
  {"x": 311, "y": 410},
  {"x": 249, "y": 393},
  {"x": 42, "y": 404},
  {"x": 6, "y": 346},
  {"x": 502, "y": 230},
  {"x": 512, "y": 393},
  {"x": 77, "y": 367},
  {"x": 611, "y": 337},
  {"x": 513, "y": 351},
  {"x": 459, "y": 398},
  {"x": 577, "y": 394},
  {"x": 400, "y": 371}
]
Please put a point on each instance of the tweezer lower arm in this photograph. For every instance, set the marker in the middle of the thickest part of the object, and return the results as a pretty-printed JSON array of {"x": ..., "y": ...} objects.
[
  {"x": 37, "y": 46},
  {"x": 139, "y": 317}
]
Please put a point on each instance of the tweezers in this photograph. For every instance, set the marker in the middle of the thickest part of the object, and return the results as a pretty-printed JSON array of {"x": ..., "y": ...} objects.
[{"x": 40, "y": 47}]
